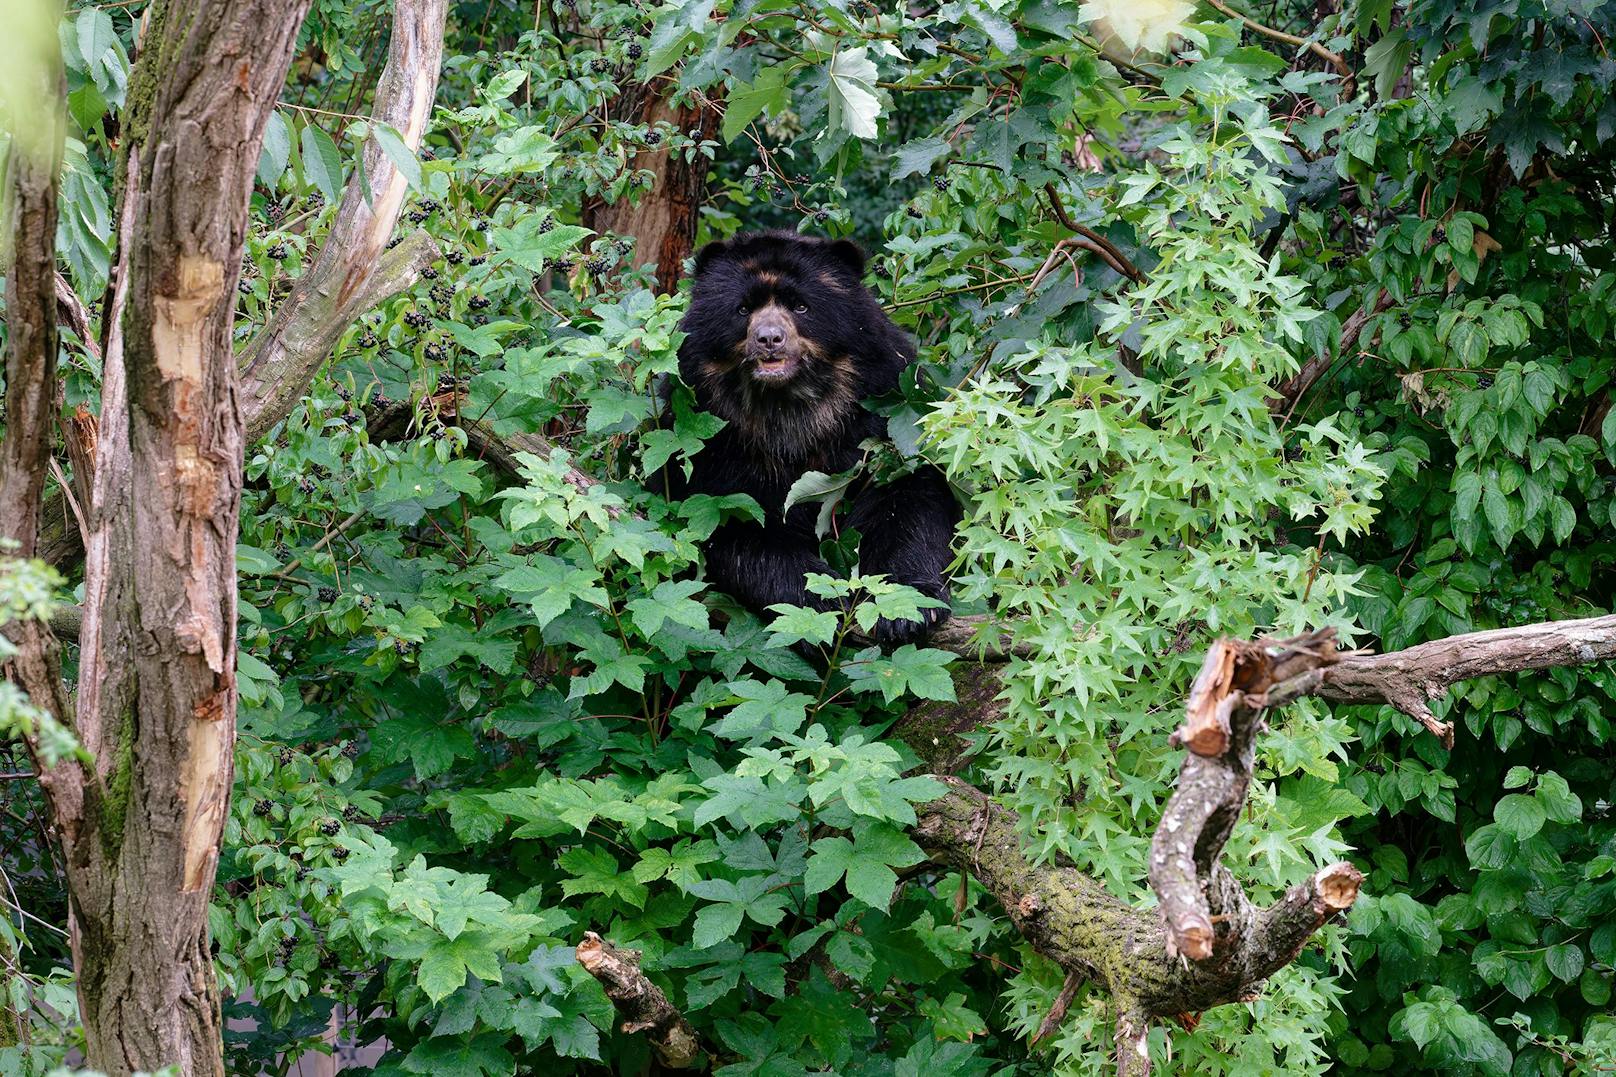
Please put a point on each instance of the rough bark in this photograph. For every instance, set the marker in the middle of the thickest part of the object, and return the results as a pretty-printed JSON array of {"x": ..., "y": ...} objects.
[
  {"x": 663, "y": 220},
  {"x": 353, "y": 272},
  {"x": 1409, "y": 679},
  {"x": 157, "y": 690},
  {"x": 1206, "y": 943},
  {"x": 640, "y": 1003}
]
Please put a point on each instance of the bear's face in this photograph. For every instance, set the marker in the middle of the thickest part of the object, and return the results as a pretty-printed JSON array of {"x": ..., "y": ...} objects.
[
  {"x": 782, "y": 341},
  {"x": 776, "y": 313}
]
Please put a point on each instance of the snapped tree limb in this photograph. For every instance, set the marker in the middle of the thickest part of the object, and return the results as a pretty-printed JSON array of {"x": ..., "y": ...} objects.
[
  {"x": 1206, "y": 943},
  {"x": 642, "y": 1004}
]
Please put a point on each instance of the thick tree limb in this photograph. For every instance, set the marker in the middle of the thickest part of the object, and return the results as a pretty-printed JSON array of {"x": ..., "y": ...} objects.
[
  {"x": 1206, "y": 943},
  {"x": 1409, "y": 679},
  {"x": 641, "y": 1003}
]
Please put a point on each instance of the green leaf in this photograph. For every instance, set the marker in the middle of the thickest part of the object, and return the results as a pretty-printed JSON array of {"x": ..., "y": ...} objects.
[
  {"x": 1520, "y": 814},
  {"x": 865, "y": 863},
  {"x": 504, "y": 84},
  {"x": 1559, "y": 803},
  {"x": 670, "y": 601},
  {"x": 399, "y": 152},
  {"x": 322, "y": 166},
  {"x": 909, "y": 670},
  {"x": 747, "y": 102},
  {"x": 916, "y": 158},
  {"x": 1565, "y": 961},
  {"x": 851, "y": 102},
  {"x": 277, "y": 149},
  {"x": 532, "y": 248}
]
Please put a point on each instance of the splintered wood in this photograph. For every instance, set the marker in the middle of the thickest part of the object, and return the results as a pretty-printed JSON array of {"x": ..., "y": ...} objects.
[{"x": 1239, "y": 673}]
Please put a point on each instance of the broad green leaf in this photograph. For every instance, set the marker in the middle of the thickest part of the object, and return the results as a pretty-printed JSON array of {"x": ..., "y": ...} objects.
[{"x": 851, "y": 102}]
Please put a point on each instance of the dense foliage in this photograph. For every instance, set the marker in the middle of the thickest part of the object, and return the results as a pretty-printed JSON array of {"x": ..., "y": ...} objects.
[{"x": 489, "y": 704}]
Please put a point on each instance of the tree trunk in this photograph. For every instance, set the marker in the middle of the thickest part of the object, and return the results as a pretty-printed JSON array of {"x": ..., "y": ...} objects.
[
  {"x": 157, "y": 688},
  {"x": 663, "y": 221}
]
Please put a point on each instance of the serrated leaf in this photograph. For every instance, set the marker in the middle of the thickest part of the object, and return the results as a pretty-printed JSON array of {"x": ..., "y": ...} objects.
[{"x": 851, "y": 102}]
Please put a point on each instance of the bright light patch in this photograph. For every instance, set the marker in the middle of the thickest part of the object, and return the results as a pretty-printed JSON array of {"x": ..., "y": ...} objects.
[{"x": 1139, "y": 24}]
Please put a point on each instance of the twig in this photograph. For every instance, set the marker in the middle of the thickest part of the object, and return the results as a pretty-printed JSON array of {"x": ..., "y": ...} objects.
[
  {"x": 1334, "y": 59},
  {"x": 325, "y": 541},
  {"x": 1111, "y": 252},
  {"x": 1057, "y": 1012}
]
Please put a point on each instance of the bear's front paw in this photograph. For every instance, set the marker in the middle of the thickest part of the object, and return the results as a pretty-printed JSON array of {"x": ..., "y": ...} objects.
[{"x": 895, "y": 633}]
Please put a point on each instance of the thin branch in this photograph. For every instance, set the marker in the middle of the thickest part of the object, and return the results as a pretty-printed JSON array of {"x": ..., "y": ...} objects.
[
  {"x": 1107, "y": 249},
  {"x": 1332, "y": 58},
  {"x": 1290, "y": 392},
  {"x": 1057, "y": 1012}
]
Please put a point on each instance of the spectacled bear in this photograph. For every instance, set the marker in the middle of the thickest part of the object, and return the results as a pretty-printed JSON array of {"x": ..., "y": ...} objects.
[{"x": 784, "y": 341}]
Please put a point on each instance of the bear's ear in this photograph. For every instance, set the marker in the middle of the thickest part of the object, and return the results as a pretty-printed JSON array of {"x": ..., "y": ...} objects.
[
  {"x": 707, "y": 254},
  {"x": 849, "y": 254}
]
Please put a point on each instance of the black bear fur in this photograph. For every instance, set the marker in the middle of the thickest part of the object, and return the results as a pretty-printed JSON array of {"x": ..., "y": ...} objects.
[{"x": 784, "y": 342}]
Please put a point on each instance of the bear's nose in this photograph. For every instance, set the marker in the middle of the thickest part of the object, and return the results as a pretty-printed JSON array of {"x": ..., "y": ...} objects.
[{"x": 769, "y": 335}]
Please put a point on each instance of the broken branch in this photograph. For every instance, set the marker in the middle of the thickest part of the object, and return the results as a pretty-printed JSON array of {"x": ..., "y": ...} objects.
[{"x": 641, "y": 1003}]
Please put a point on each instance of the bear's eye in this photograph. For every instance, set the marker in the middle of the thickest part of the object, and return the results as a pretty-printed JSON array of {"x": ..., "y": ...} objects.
[
  {"x": 742, "y": 309},
  {"x": 802, "y": 308}
]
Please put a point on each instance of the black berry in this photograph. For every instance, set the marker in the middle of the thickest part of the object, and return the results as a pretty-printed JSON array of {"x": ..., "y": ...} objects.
[
  {"x": 277, "y": 251},
  {"x": 328, "y": 594},
  {"x": 339, "y": 853},
  {"x": 635, "y": 51},
  {"x": 262, "y": 808},
  {"x": 330, "y": 827},
  {"x": 479, "y": 302}
]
